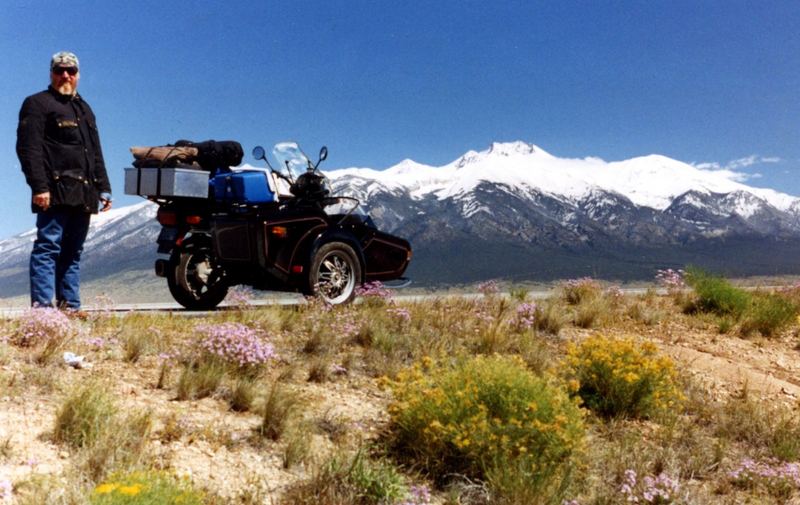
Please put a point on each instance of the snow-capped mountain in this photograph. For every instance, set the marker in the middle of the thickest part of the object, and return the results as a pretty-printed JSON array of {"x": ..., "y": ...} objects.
[
  {"x": 120, "y": 229},
  {"x": 516, "y": 211},
  {"x": 120, "y": 240},
  {"x": 545, "y": 216},
  {"x": 578, "y": 193},
  {"x": 650, "y": 181}
]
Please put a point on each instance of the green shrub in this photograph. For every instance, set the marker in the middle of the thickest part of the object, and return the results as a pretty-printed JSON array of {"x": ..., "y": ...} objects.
[
  {"x": 580, "y": 290},
  {"x": 724, "y": 324},
  {"x": 591, "y": 311},
  {"x": 145, "y": 488},
  {"x": 483, "y": 417},
  {"x": 135, "y": 345},
  {"x": 243, "y": 395},
  {"x": 298, "y": 443},
  {"x": 201, "y": 378},
  {"x": 768, "y": 314},
  {"x": 378, "y": 481},
  {"x": 518, "y": 293},
  {"x": 618, "y": 377},
  {"x": 715, "y": 294},
  {"x": 84, "y": 416},
  {"x": 761, "y": 425},
  {"x": 90, "y": 422},
  {"x": 121, "y": 445},
  {"x": 643, "y": 313},
  {"x": 549, "y": 317},
  {"x": 280, "y": 410},
  {"x": 354, "y": 480}
]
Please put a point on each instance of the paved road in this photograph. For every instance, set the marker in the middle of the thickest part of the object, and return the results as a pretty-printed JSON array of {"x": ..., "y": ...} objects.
[
  {"x": 277, "y": 299},
  {"x": 292, "y": 299}
]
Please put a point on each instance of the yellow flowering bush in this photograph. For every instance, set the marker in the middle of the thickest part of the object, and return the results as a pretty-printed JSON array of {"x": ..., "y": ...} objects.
[
  {"x": 484, "y": 417},
  {"x": 617, "y": 377},
  {"x": 145, "y": 488}
]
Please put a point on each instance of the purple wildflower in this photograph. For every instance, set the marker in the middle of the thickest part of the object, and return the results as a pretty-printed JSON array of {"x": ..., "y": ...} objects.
[
  {"x": 671, "y": 279},
  {"x": 401, "y": 313},
  {"x": 483, "y": 318},
  {"x": 337, "y": 369},
  {"x": 772, "y": 473},
  {"x": 173, "y": 355},
  {"x": 524, "y": 317},
  {"x": 374, "y": 290},
  {"x": 96, "y": 342},
  {"x": 418, "y": 495},
  {"x": 345, "y": 323},
  {"x": 576, "y": 290},
  {"x": 41, "y": 324},
  {"x": 488, "y": 288},
  {"x": 615, "y": 293},
  {"x": 235, "y": 343},
  {"x": 660, "y": 490},
  {"x": 104, "y": 303},
  {"x": 6, "y": 490},
  {"x": 240, "y": 296},
  {"x": 580, "y": 283}
]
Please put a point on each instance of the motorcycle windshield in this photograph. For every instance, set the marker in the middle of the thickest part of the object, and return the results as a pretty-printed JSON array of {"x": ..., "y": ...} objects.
[{"x": 291, "y": 159}]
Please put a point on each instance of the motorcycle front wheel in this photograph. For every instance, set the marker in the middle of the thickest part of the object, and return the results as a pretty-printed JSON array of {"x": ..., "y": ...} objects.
[
  {"x": 335, "y": 274},
  {"x": 194, "y": 279}
]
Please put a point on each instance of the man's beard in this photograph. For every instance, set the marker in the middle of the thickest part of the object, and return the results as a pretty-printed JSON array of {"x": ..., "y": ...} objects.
[{"x": 66, "y": 88}]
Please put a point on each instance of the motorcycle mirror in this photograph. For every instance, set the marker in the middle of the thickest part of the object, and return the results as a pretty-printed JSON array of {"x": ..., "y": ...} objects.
[
  {"x": 323, "y": 155},
  {"x": 260, "y": 154}
]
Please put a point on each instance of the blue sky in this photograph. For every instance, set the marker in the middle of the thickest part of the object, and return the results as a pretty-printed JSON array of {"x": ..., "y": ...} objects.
[{"x": 715, "y": 82}]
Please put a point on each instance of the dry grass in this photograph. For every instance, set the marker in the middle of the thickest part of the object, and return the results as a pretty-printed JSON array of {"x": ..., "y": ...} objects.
[{"x": 322, "y": 397}]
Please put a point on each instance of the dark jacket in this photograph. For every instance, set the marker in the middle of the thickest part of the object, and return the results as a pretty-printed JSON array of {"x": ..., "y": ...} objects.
[{"x": 59, "y": 150}]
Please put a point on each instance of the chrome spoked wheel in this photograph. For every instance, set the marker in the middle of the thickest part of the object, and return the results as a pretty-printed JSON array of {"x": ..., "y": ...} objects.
[{"x": 335, "y": 274}]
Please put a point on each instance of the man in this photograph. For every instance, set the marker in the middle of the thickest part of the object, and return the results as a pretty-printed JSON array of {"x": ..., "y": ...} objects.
[{"x": 59, "y": 151}]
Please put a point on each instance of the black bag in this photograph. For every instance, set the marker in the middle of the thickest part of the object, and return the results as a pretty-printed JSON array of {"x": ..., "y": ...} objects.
[{"x": 214, "y": 154}]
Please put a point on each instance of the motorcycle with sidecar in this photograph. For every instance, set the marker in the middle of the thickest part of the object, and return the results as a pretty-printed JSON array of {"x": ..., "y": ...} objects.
[{"x": 276, "y": 229}]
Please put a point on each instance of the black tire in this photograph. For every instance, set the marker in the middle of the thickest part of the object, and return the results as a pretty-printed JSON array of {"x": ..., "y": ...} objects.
[
  {"x": 194, "y": 281},
  {"x": 335, "y": 273}
]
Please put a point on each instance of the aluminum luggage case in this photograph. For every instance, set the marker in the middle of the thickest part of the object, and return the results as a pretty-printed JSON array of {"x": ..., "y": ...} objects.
[{"x": 166, "y": 182}]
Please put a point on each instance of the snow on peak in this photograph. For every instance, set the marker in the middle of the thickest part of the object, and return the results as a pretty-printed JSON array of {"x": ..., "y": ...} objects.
[
  {"x": 115, "y": 214},
  {"x": 407, "y": 166},
  {"x": 515, "y": 148},
  {"x": 652, "y": 181}
]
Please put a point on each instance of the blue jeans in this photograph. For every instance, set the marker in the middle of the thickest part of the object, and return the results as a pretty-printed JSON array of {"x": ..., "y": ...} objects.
[{"x": 56, "y": 255}]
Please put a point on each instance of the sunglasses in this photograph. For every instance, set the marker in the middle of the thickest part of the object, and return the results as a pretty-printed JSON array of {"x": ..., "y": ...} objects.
[{"x": 69, "y": 70}]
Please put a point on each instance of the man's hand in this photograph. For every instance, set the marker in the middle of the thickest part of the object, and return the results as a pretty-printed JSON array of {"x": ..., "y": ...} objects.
[
  {"x": 106, "y": 204},
  {"x": 42, "y": 200}
]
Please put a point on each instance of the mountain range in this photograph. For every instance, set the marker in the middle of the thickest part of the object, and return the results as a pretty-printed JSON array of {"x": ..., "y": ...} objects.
[{"x": 516, "y": 212}]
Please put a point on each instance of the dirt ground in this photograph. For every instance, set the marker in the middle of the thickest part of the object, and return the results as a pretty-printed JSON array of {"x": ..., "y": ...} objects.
[{"x": 216, "y": 447}]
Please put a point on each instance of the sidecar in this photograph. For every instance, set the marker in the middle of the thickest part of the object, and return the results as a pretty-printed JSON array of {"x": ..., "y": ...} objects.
[{"x": 266, "y": 229}]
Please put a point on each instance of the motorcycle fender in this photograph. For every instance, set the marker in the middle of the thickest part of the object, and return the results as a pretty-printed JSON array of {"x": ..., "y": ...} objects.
[
  {"x": 196, "y": 240},
  {"x": 336, "y": 235},
  {"x": 167, "y": 238}
]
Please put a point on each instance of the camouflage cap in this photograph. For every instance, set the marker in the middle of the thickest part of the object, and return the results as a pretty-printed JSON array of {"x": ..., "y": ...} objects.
[{"x": 64, "y": 59}]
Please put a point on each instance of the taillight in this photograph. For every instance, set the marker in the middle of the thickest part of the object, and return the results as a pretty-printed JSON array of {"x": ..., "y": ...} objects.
[
  {"x": 193, "y": 219},
  {"x": 166, "y": 217}
]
